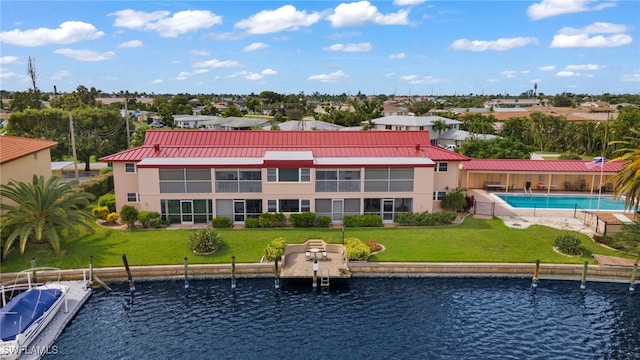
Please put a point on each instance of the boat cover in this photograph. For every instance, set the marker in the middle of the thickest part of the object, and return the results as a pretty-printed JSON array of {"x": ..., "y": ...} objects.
[{"x": 28, "y": 306}]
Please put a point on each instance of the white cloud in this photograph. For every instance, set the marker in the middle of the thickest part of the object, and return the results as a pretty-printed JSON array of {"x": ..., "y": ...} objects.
[
  {"x": 582, "y": 67},
  {"x": 362, "y": 12},
  {"x": 4, "y": 74},
  {"x": 269, "y": 72},
  {"x": 569, "y": 37},
  {"x": 8, "y": 59},
  {"x": 525, "y": 71},
  {"x": 501, "y": 44},
  {"x": 201, "y": 52},
  {"x": 415, "y": 79},
  {"x": 397, "y": 56},
  {"x": 86, "y": 55},
  {"x": 255, "y": 46},
  {"x": 357, "y": 47},
  {"x": 566, "y": 73},
  {"x": 549, "y": 8},
  {"x": 547, "y": 68},
  {"x": 156, "y": 81},
  {"x": 391, "y": 74},
  {"x": 284, "y": 18},
  {"x": 69, "y": 32},
  {"x": 215, "y": 64},
  {"x": 332, "y": 77},
  {"x": 167, "y": 26},
  {"x": 408, "y": 2},
  {"x": 509, "y": 74},
  {"x": 630, "y": 77},
  {"x": 131, "y": 44},
  {"x": 60, "y": 74}
]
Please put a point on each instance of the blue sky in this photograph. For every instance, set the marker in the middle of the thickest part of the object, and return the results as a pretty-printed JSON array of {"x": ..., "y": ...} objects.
[{"x": 376, "y": 47}]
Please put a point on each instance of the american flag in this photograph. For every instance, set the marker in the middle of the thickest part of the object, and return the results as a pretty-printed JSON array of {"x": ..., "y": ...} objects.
[{"x": 596, "y": 162}]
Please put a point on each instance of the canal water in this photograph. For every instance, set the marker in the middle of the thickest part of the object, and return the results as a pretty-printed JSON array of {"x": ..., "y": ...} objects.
[{"x": 377, "y": 318}]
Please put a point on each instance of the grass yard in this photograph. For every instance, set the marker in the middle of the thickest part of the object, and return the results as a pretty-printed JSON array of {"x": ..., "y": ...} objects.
[{"x": 474, "y": 240}]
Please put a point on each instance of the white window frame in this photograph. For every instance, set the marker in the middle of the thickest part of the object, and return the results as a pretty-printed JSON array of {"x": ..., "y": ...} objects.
[
  {"x": 136, "y": 197},
  {"x": 135, "y": 168},
  {"x": 438, "y": 195},
  {"x": 304, "y": 175},
  {"x": 440, "y": 165}
]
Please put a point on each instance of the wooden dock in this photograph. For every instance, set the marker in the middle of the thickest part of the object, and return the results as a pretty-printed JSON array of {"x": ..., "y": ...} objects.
[
  {"x": 44, "y": 343},
  {"x": 296, "y": 264}
]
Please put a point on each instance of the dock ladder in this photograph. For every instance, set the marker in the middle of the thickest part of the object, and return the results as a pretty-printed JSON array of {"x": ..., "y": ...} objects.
[{"x": 324, "y": 279}]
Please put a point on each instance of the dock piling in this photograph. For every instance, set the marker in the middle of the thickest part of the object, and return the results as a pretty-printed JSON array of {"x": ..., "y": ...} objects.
[
  {"x": 536, "y": 272},
  {"x": 634, "y": 272},
  {"x": 583, "y": 283},
  {"x": 233, "y": 272},
  {"x": 186, "y": 272},
  {"x": 126, "y": 266},
  {"x": 315, "y": 273},
  {"x": 33, "y": 266},
  {"x": 277, "y": 275}
]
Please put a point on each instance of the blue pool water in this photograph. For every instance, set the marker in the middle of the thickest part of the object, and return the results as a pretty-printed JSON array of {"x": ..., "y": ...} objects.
[
  {"x": 379, "y": 318},
  {"x": 542, "y": 201}
]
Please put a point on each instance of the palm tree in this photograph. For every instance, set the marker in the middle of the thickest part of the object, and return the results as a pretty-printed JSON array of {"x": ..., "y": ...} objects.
[
  {"x": 439, "y": 125},
  {"x": 43, "y": 211},
  {"x": 627, "y": 181}
]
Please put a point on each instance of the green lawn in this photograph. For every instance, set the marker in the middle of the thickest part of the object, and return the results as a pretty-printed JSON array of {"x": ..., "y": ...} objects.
[{"x": 472, "y": 241}]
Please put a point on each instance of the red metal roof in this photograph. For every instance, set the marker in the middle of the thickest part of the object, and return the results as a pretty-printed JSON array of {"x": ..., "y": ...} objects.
[
  {"x": 512, "y": 166},
  {"x": 230, "y": 143},
  {"x": 13, "y": 147}
]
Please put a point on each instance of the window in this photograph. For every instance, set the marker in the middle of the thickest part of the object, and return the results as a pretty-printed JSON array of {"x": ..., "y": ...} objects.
[
  {"x": 179, "y": 181},
  {"x": 289, "y": 205},
  {"x": 289, "y": 175},
  {"x": 130, "y": 167},
  {"x": 132, "y": 197},
  {"x": 388, "y": 180},
  {"x": 338, "y": 180},
  {"x": 387, "y": 127},
  {"x": 442, "y": 166},
  {"x": 438, "y": 195},
  {"x": 238, "y": 181}
]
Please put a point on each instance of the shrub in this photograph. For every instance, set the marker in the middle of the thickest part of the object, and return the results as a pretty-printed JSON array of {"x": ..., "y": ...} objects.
[
  {"x": 303, "y": 220},
  {"x": 324, "y": 221},
  {"x": 129, "y": 215},
  {"x": 373, "y": 245},
  {"x": 205, "y": 241},
  {"x": 108, "y": 200},
  {"x": 367, "y": 220},
  {"x": 356, "y": 249},
  {"x": 221, "y": 222},
  {"x": 98, "y": 185},
  {"x": 454, "y": 201},
  {"x": 425, "y": 218},
  {"x": 568, "y": 244},
  {"x": 145, "y": 217},
  {"x": 100, "y": 212},
  {"x": 272, "y": 220},
  {"x": 105, "y": 170},
  {"x": 251, "y": 223},
  {"x": 112, "y": 218},
  {"x": 275, "y": 249},
  {"x": 155, "y": 223}
]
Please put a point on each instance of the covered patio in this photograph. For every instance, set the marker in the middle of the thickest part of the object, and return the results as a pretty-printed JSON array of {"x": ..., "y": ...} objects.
[{"x": 506, "y": 175}]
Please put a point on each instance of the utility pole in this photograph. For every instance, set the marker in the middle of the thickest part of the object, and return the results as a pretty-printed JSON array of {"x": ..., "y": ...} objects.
[
  {"x": 73, "y": 147},
  {"x": 126, "y": 119}
]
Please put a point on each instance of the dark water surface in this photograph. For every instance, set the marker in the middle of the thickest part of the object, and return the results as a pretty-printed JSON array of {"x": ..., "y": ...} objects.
[{"x": 380, "y": 318}]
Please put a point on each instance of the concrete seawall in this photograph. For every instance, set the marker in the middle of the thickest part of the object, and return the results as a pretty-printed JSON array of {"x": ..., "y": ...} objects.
[{"x": 358, "y": 269}]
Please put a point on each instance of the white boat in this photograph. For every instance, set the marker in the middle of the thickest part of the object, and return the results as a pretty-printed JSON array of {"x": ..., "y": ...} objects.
[{"x": 28, "y": 312}]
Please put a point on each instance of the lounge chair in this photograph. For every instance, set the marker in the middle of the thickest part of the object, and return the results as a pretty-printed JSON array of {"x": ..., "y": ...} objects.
[{"x": 307, "y": 256}]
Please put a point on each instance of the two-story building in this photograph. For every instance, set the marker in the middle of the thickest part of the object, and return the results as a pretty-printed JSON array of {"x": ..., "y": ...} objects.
[{"x": 194, "y": 176}]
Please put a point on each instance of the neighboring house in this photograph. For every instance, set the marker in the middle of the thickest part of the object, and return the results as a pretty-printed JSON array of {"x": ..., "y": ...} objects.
[
  {"x": 21, "y": 158},
  {"x": 409, "y": 122},
  {"x": 200, "y": 121},
  {"x": 541, "y": 175},
  {"x": 194, "y": 176},
  {"x": 457, "y": 137},
  {"x": 244, "y": 123},
  {"x": 305, "y": 125}
]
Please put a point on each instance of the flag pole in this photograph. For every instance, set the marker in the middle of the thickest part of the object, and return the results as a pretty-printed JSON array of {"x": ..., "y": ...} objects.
[{"x": 602, "y": 160}]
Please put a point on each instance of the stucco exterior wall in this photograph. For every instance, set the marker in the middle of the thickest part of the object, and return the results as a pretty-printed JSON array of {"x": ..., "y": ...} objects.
[{"x": 23, "y": 169}]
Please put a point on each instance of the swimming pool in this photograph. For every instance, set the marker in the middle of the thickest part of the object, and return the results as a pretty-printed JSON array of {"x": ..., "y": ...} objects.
[{"x": 544, "y": 201}]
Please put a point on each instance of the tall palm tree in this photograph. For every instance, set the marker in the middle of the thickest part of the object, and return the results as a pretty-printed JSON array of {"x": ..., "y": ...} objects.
[
  {"x": 627, "y": 181},
  {"x": 43, "y": 211}
]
